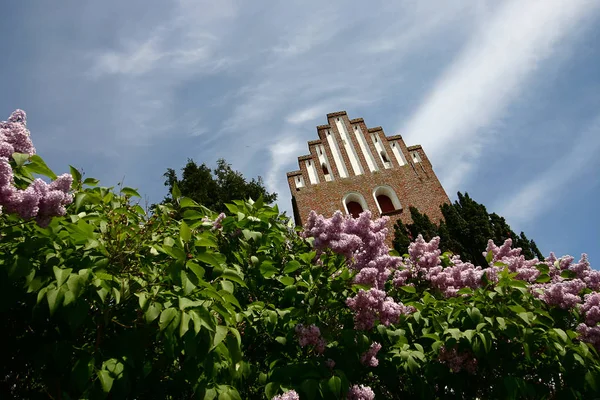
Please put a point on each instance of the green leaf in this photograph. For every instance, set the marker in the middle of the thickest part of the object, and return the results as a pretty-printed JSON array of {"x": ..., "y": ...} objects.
[
  {"x": 592, "y": 380},
  {"x": 234, "y": 276},
  {"x": 287, "y": 280},
  {"x": 175, "y": 192},
  {"x": 568, "y": 274},
  {"x": 186, "y": 283},
  {"x": 291, "y": 266},
  {"x": 20, "y": 158},
  {"x": 251, "y": 234},
  {"x": 54, "y": 297},
  {"x": 185, "y": 323},
  {"x": 408, "y": 289},
  {"x": 489, "y": 257},
  {"x": 271, "y": 389},
  {"x": 38, "y": 166},
  {"x": 185, "y": 233},
  {"x": 220, "y": 334},
  {"x": 76, "y": 175},
  {"x": 152, "y": 312},
  {"x": 525, "y": 317},
  {"x": 267, "y": 269},
  {"x": 166, "y": 317},
  {"x": 187, "y": 202},
  {"x": 196, "y": 269},
  {"x": 130, "y": 192},
  {"x": 80, "y": 199},
  {"x": 61, "y": 275},
  {"x": 91, "y": 181},
  {"x": 562, "y": 334},
  {"x": 543, "y": 278},
  {"x": 335, "y": 385},
  {"x": 105, "y": 380}
]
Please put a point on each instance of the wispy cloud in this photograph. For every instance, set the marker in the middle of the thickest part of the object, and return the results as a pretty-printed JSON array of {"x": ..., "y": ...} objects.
[
  {"x": 578, "y": 164},
  {"x": 487, "y": 75}
]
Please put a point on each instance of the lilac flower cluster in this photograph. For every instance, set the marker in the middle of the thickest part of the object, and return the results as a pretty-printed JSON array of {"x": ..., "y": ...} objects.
[
  {"x": 563, "y": 292},
  {"x": 590, "y": 330},
  {"x": 362, "y": 242},
  {"x": 310, "y": 336},
  {"x": 458, "y": 361},
  {"x": 290, "y": 395},
  {"x": 369, "y": 357},
  {"x": 513, "y": 259},
  {"x": 40, "y": 200},
  {"x": 14, "y": 135},
  {"x": 361, "y": 392},
  {"x": 425, "y": 263},
  {"x": 374, "y": 304}
]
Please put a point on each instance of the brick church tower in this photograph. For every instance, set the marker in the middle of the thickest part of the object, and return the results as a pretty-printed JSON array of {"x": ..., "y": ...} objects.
[{"x": 353, "y": 168}]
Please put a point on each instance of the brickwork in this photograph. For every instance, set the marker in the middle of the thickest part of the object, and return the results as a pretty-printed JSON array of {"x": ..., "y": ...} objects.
[{"x": 414, "y": 183}]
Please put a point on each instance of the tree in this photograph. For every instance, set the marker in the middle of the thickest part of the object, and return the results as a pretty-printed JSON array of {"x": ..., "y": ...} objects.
[
  {"x": 215, "y": 188},
  {"x": 465, "y": 230}
]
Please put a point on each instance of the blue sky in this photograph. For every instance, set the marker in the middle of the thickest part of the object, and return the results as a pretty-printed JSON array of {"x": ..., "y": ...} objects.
[{"x": 503, "y": 95}]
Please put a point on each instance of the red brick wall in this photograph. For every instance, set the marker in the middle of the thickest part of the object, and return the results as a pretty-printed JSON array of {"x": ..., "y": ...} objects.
[{"x": 415, "y": 184}]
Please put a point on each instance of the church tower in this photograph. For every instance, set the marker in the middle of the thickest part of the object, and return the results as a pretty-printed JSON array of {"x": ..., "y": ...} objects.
[{"x": 353, "y": 168}]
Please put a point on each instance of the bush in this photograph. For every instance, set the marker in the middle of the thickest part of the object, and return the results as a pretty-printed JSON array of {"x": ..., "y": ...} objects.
[{"x": 107, "y": 301}]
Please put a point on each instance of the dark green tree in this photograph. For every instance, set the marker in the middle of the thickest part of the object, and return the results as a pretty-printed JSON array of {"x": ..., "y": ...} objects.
[
  {"x": 466, "y": 228},
  {"x": 214, "y": 188}
]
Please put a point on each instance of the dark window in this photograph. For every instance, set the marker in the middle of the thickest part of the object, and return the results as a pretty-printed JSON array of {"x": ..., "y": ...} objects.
[
  {"x": 325, "y": 170},
  {"x": 354, "y": 208},
  {"x": 384, "y": 157},
  {"x": 385, "y": 203}
]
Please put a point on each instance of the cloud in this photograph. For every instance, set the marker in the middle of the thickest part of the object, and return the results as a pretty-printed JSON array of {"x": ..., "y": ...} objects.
[
  {"x": 542, "y": 193},
  {"x": 286, "y": 149},
  {"x": 487, "y": 75}
]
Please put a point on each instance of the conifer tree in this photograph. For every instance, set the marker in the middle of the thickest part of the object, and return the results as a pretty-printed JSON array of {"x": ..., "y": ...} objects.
[{"x": 466, "y": 228}]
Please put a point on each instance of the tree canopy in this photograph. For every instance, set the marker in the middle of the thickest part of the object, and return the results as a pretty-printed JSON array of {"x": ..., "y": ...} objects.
[
  {"x": 217, "y": 187},
  {"x": 465, "y": 230}
]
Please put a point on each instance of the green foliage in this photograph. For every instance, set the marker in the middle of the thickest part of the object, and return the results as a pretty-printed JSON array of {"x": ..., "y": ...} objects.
[
  {"x": 466, "y": 229},
  {"x": 215, "y": 188},
  {"x": 108, "y": 302}
]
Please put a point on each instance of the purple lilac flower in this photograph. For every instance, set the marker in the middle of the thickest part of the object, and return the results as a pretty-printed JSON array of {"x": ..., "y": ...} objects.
[
  {"x": 329, "y": 363},
  {"x": 458, "y": 361},
  {"x": 360, "y": 240},
  {"x": 40, "y": 200},
  {"x": 289, "y": 395},
  {"x": 591, "y": 308},
  {"x": 360, "y": 393},
  {"x": 218, "y": 220},
  {"x": 563, "y": 294},
  {"x": 513, "y": 259},
  {"x": 372, "y": 305},
  {"x": 589, "y": 334},
  {"x": 369, "y": 358},
  {"x": 310, "y": 336},
  {"x": 14, "y": 132}
]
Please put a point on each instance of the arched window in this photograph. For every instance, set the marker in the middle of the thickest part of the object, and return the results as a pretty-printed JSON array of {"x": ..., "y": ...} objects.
[
  {"x": 354, "y": 203},
  {"x": 386, "y": 199},
  {"x": 385, "y": 203},
  {"x": 354, "y": 208}
]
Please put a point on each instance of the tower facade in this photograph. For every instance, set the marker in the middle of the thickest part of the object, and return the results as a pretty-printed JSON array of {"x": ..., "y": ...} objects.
[{"x": 353, "y": 168}]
